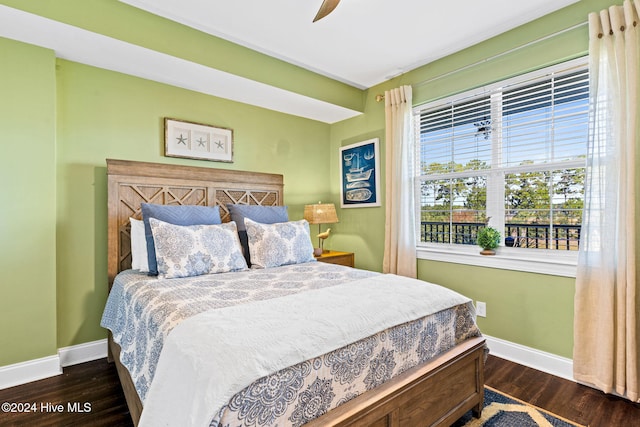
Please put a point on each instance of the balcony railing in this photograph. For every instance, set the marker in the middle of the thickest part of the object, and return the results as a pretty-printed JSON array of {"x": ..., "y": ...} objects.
[{"x": 539, "y": 236}]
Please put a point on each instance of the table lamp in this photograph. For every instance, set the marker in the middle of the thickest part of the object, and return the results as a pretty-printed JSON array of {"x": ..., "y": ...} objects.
[{"x": 321, "y": 213}]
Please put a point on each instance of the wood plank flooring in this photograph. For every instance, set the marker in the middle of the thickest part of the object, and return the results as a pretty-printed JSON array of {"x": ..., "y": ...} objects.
[
  {"x": 96, "y": 384},
  {"x": 566, "y": 398}
]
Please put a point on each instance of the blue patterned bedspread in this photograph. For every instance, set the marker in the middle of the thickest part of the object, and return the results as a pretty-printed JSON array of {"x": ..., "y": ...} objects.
[{"x": 141, "y": 311}]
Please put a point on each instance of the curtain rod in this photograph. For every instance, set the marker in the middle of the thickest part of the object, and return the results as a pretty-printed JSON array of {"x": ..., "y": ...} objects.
[{"x": 491, "y": 58}]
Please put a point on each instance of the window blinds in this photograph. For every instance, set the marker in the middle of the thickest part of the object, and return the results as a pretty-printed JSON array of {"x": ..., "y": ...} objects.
[
  {"x": 514, "y": 152},
  {"x": 537, "y": 122}
]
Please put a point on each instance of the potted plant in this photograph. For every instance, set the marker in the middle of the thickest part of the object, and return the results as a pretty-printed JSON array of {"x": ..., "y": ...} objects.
[{"x": 488, "y": 240}]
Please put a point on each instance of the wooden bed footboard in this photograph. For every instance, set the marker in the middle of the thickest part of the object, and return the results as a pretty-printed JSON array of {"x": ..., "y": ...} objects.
[
  {"x": 434, "y": 394},
  {"x": 130, "y": 394}
]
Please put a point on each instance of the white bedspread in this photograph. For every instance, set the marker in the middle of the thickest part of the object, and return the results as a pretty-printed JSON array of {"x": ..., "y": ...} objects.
[{"x": 213, "y": 355}]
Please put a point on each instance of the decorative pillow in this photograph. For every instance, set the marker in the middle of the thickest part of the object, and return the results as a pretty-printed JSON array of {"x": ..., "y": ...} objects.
[
  {"x": 193, "y": 250},
  {"x": 261, "y": 214},
  {"x": 139, "y": 260},
  {"x": 177, "y": 215},
  {"x": 277, "y": 244}
]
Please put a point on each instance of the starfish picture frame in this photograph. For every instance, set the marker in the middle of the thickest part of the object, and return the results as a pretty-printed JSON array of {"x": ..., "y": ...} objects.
[{"x": 197, "y": 141}]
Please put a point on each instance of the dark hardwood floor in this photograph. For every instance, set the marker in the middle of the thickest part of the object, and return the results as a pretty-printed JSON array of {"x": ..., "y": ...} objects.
[
  {"x": 95, "y": 383},
  {"x": 93, "y": 388},
  {"x": 568, "y": 399}
]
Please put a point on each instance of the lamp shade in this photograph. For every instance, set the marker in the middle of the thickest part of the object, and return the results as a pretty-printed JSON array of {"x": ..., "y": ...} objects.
[{"x": 321, "y": 213}]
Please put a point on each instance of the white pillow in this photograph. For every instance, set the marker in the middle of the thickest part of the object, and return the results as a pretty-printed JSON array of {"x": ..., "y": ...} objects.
[
  {"x": 272, "y": 245},
  {"x": 193, "y": 250},
  {"x": 139, "y": 259}
]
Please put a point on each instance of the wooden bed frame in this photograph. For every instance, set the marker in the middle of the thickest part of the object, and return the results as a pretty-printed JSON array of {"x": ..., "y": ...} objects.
[{"x": 435, "y": 393}]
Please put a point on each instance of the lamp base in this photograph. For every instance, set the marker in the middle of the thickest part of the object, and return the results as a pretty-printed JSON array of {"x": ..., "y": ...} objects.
[{"x": 317, "y": 252}]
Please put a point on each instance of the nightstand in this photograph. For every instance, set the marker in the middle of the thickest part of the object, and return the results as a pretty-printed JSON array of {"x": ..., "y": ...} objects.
[{"x": 336, "y": 257}]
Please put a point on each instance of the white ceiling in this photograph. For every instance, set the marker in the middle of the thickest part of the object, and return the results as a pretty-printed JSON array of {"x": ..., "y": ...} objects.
[{"x": 362, "y": 42}]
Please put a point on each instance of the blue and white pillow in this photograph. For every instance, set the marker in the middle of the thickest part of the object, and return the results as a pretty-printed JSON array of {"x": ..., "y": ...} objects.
[
  {"x": 193, "y": 250},
  {"x": 272, "y": 245},
  {"x": 178, "y": 215},
  {"x": 258, "y": 213}
]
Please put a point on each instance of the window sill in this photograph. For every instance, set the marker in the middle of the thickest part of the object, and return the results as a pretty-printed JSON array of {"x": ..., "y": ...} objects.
[{"x": 554, "y": 263}]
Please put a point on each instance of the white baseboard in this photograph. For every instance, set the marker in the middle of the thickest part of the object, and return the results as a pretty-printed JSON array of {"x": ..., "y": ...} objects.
[
  {"x": 50, "y": 366},
  {"x": 83, "y": 352},
  {"x": 32, "y": 370},
  {"x": 531, "y": 357}
]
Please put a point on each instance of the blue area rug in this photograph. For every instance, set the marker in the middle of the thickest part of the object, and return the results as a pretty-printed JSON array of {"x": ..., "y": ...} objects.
[{"x": 501, "y": 410}]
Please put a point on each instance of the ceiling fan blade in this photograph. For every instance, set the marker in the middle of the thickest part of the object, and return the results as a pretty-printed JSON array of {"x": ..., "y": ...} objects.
[{"x": 326, "y": 8}]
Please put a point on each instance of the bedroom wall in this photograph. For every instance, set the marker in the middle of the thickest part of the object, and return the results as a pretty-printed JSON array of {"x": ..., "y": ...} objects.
[
  {"x": 61, "y": 120},
  {"x": 534, "y": 310},
  {"x": 27, "y": 203},
  {"x": 103, "y": 114}
]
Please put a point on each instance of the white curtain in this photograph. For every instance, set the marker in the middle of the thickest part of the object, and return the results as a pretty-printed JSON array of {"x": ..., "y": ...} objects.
[
  {"x": 400, "y": 230},
  {"x": 606, "y": 327}
]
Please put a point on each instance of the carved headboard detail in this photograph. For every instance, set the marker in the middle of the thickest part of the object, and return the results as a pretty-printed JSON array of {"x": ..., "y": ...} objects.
[{"x": 132, "y": 183}]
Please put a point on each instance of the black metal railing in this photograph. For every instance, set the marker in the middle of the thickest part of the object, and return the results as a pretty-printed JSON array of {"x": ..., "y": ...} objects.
[{"x": 539, "y": 236}]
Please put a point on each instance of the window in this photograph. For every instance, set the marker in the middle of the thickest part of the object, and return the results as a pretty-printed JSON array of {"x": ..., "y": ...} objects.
[{"x": 512, "y": 155}]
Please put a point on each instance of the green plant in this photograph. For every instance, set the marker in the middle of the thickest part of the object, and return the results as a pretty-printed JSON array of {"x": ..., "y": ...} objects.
[{"x": 488, "y": 238}]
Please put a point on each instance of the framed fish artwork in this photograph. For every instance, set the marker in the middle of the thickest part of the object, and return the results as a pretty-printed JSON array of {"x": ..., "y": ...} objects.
[{"x": 360, "y": 174}]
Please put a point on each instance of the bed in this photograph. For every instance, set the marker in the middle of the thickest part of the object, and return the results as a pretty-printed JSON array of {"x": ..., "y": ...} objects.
[{"x": 411, "y": 385}]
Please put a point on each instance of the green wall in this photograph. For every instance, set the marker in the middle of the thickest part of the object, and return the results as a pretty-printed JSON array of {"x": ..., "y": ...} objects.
[
  {"x": 102, "y": 114},
  {"x": 61, "y": 120},
  {"x": 529, "y": 309},
  {"x": 27, "y": 203}
]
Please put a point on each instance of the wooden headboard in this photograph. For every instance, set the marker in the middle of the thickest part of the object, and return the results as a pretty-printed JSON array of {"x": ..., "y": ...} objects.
[{"x": 132, "y": 183}]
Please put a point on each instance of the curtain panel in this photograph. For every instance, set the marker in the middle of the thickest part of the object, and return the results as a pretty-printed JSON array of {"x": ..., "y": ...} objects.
[
  {"x": 606, "y": 327},
  {"x": 400, "y": 208}
]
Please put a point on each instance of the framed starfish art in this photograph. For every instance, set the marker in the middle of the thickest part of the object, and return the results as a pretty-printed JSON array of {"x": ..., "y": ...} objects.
[{"x": 197, "y": 141}]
